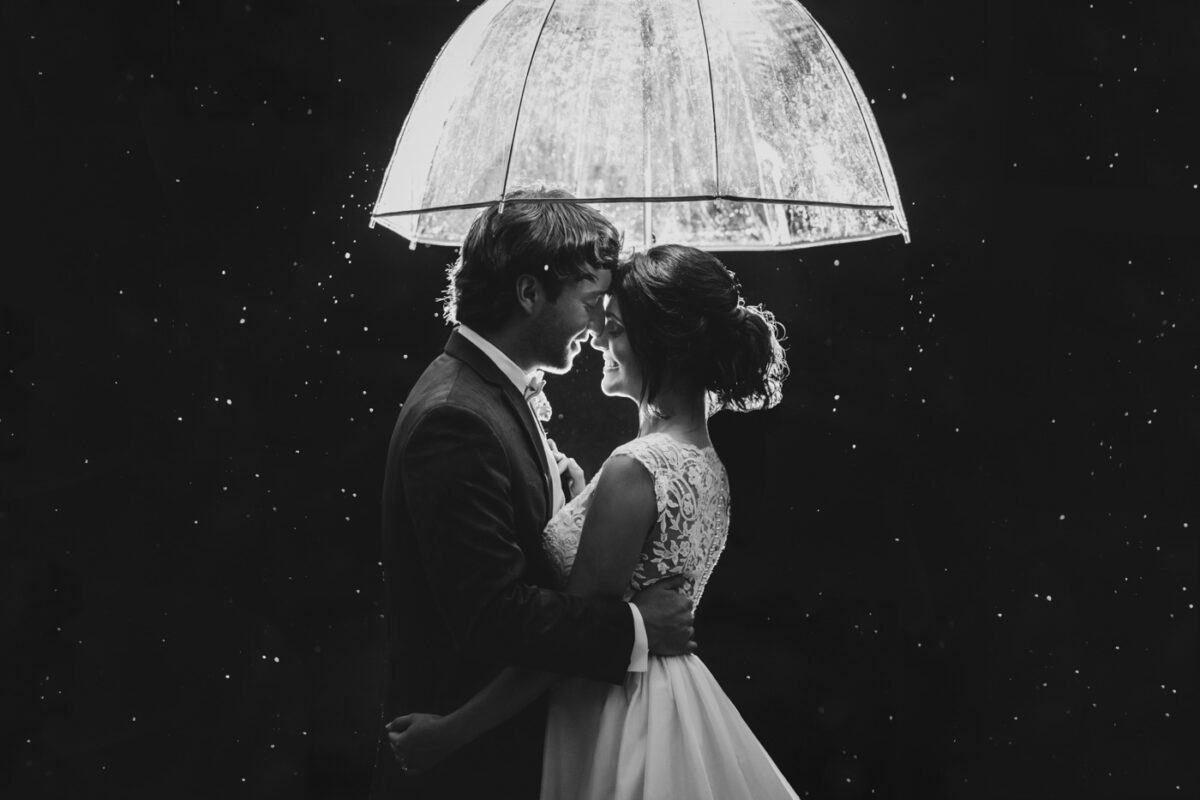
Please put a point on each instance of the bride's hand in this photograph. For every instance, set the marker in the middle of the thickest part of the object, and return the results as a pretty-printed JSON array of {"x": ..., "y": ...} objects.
[
  {"x": 420, "y": 741},
  {"x": 573, "y": 471}
]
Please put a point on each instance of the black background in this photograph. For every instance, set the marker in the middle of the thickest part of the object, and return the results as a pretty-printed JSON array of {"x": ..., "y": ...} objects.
[{"x": 963, "y": 556}]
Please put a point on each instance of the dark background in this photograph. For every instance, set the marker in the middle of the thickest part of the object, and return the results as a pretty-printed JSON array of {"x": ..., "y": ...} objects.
[{"x": 963, "y": 557}]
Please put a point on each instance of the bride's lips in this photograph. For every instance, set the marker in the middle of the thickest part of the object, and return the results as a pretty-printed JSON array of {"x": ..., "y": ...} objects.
[{"x": 611, "y": 366}]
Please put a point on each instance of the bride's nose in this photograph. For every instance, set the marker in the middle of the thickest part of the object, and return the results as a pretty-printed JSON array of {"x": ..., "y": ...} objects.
[{"x": 600, "y": 340}]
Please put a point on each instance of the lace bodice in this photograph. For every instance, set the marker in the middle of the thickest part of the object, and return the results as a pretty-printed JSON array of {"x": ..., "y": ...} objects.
[{"x": 692, "y": 492}]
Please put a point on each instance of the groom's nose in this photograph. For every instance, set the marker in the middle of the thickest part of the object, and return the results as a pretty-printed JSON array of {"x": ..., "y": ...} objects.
[{"x": 595, "y": 324}]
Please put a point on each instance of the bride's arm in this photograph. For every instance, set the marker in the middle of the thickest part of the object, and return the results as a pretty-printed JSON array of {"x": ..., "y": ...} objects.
[{"x": 622, "y": 511}]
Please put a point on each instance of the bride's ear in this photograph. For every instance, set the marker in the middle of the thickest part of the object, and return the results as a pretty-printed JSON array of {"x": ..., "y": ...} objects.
[{"x": 530, "y": 294}]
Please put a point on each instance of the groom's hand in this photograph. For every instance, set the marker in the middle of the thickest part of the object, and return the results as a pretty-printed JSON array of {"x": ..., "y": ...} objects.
[
  {"x": 420, "y": 741},
  {"x": 667, "y": 613}
]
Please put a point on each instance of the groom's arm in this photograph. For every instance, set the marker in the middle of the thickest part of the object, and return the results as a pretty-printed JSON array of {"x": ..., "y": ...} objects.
[{"x": 458, "y": 491}]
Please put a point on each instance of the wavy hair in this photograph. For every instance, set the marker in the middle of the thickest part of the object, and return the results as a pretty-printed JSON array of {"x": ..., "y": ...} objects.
[
  {"x": 541, "y": 232},
  {"x": 687, "y": 320}
]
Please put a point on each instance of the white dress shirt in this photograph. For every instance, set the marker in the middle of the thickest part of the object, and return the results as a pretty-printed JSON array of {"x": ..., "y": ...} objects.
[{"x": 520, "y": 379}]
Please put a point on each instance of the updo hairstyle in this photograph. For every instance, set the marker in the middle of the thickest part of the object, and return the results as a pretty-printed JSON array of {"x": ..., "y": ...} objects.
[{"x": 687, "y": 321}]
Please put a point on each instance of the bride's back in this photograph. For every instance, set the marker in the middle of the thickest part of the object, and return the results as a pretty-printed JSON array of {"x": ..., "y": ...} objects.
[{"x": 691, "y": 490}]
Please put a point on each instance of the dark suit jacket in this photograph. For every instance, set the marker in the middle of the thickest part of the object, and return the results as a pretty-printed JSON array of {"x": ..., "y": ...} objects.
[{"x": 466, "y": 496}]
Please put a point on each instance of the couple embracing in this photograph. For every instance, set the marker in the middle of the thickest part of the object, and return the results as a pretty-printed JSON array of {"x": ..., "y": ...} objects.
[{"x": 540, "y": 626}]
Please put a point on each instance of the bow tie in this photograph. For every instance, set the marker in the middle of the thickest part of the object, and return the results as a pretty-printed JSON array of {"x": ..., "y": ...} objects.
[{"x": 536, "y": 397}]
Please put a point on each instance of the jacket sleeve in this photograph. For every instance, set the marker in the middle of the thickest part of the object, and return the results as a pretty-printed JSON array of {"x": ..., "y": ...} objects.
[{"x": 457, "y": 488}]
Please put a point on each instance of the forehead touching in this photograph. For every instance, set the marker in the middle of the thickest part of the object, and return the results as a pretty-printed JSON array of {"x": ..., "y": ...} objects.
[
  {"x": 594, "y": 283},
  {"x": 612, "y": 307}
]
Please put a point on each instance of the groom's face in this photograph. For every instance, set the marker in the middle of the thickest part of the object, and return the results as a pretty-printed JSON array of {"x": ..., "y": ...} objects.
[{"x": 565, "y": 324}]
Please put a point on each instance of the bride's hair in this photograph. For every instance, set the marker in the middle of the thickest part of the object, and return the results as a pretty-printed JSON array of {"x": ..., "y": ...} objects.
[{"x": 687, "y": 320}]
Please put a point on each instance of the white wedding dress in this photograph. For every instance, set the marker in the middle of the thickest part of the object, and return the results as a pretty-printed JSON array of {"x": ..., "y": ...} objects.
[{"x": 670, "y": 732}]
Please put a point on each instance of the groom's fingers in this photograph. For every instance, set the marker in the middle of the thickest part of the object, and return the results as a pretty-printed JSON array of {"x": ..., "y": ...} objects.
[
  {"x": 399, "y": 723},
  {"x": 674, "y": 582}
]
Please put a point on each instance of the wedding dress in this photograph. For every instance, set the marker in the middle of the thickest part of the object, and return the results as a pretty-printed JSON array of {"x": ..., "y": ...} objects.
[{"x": 670, "y": 732}]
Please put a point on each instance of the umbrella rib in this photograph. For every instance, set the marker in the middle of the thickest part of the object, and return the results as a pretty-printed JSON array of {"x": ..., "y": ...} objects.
[
  {"x": 387, "y": 173},
  {"x": 521, "y": 102},
  {"x": 837, "y": 56},
  {"x": 712, "y": 95},
  {"x": 679, "y": 199},
  {"x": 721, "y": 246}
]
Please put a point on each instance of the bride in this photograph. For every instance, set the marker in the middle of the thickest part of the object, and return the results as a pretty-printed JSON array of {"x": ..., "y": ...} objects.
[{"x": 680, "y": 342}]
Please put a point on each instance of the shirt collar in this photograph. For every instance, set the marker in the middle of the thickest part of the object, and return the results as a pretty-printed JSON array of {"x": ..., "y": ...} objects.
[{"x": 518, "y": 376}]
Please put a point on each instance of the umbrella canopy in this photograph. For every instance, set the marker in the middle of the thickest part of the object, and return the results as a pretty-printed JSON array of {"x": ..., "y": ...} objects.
[{"x": 722, "y": 124}]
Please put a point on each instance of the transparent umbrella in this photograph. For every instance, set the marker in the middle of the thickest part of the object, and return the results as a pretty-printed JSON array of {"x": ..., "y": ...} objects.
[{"x": 723, "y": 124}]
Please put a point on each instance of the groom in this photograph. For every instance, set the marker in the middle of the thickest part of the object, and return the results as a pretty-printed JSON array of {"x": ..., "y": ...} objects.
[{"x": 471, "y": 482}]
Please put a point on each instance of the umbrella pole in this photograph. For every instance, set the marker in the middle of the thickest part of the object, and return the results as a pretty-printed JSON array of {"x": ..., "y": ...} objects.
[
  {"x": 647, "y": 143},
  {"x": 647, "y": 217},
  {"x": 648, "y": 240}
]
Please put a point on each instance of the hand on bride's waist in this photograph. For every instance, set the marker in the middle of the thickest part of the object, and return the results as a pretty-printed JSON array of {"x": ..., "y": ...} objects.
[{"x": 666, "y": 611}]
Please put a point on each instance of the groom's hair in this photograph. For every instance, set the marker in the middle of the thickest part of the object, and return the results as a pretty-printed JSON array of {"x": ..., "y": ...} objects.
[{"x": 540, "y": 232}]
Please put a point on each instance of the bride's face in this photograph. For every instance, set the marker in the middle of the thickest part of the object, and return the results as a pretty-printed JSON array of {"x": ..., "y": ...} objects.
[{"x": 622, "y": 375}]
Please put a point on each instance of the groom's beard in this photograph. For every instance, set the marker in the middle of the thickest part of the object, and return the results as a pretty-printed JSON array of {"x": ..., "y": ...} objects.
[
  {"x": 555, "y": 347},
  {"x": 558, "y": 359}
]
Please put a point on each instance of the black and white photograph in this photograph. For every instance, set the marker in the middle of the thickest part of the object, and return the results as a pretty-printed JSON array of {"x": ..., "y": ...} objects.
[{"x": 600, "y": 400}]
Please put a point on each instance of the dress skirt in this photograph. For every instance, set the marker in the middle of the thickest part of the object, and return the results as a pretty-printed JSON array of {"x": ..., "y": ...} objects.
[{"x": 669, "y": 733}]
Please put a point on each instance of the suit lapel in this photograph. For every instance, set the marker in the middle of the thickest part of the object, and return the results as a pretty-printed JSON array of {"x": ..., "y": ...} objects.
[
  {"x": 534, "y": 439},
  {"x": 458, "y": 347}
]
